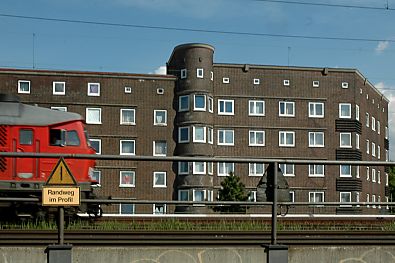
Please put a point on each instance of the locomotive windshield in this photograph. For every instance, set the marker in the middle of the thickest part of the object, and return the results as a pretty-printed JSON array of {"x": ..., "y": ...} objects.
[{"x": 59, "y": 137}]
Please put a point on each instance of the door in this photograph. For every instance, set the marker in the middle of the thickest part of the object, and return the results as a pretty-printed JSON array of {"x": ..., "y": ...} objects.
[{"x": 25, "y": 142}]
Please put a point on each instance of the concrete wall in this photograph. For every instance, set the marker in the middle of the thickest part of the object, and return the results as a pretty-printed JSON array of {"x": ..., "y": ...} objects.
[{"x": 245, "y": 254}]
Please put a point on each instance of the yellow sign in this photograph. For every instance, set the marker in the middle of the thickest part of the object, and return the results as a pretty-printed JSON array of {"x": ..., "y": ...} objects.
[
  {"x": 61, "y": 175},
  {"x": 61, "y": 196}
]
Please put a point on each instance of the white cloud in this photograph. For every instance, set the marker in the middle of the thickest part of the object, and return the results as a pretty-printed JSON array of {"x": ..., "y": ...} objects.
[
  {"x": 161, "y": 70},
  {"x": 382, "y": 45},
  {"x": 389, "y": 92}
]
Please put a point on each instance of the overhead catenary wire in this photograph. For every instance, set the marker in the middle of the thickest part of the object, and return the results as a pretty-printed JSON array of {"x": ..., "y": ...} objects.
[{"x": 196, "y": 30}]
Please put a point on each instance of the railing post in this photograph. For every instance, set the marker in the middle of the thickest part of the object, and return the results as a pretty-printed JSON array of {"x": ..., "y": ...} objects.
[{"x": 274, "y": 206}]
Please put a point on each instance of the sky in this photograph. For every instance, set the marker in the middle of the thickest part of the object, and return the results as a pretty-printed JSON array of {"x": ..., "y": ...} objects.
[{"x": 138, "y": 36}]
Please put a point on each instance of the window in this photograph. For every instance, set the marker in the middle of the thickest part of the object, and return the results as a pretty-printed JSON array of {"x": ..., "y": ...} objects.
[
  {"x": 128, "y": 90},
  {"x": 286, "y": 109},
  {"x": 378, "y": 152},
  {"x": 210, "y": 169},
  {"x": 183, "y": 195},
  {"x": 127, "y": 179},
  {"x": 183, "y": 103},
  {"x": 24, "y": 86},
  {"x": 316, "y": 139},
  {"x": 96, "y": 144},
  {"x": 367, "y": 146},
  {"x": 357, "y": 112},
  {"x": 25, "y": 137},
  {"x": 93, "y": 115},
  {"x": 224, "y": 169},
  {"x": 256, "y": 169},
  {"x": 210, "y": 104},
  {"x": 159, "y": 179},
  {"x": 367, "y": 173},
  {"x": 160, "y": 117},
  {"x": 256, "y": 108},
  {"x": 373, "y": 123},
  {"x": 373, "y": 175},
  {"x": 256, "y": 81},
  {"x": 126, "y": 209},
  {"x": 316, "y": 170},
  {"x": 58, "y": 88},
  {"x": 373, "y": 149},
  {"x": 252, "y": 196},
  {"x": 128, "y": 117},
  {"x": 345, "y": 197},
  {"x": 96, "y": 176},
  {"x": 93, "y": 89},
  {"x": 211, "y": 75},
  {"x": 199, "y": 103},
  {"x": 225, "y": 80},
  {"x": 357, "y": 171},
  {"x": 286, "y": 139},
  {"x": 316, "y": 109},
  {"x": 345, "y": 170},
  {"x": 225, "y": 107},
  {"x": 199, "y": 134},
  {"x": 357, "y": 141},
  {"x": 316, "y": 84},
  {"x": 345, "y": 85},
  {"x": 257, "y": 138},
  {"x": 199, "y": 168},
  {"x": 183, "y": 73},
  {"x": 183, "y": 134},
  {"x": 72, "y": 138},
  {"x": 367, "y": 199},
  {"x": 345, "y": 140},
  {"x": 373, "y": 201},
  {"x": 210, "y": 135},
  {"x": 199, "y": 73},
  {"x": 159, "y": 209},
  {"x": 160, "y": 148},
  {"x": 183, "y": 168},
  {"x": 225, "y": 137},
  {"x": 287, "y": 169},
  {"x": 378, "y": 127},
  {"x": 127, "y": 147},
  {"x": 367, "y": 120},
  {"x": 199, "y": 195},
  {"x": 316, "y": 197},
  {"x": 286, "y": 82},
  {"x": 345, "y": 110},
  {"x": 59, "y": 108}
]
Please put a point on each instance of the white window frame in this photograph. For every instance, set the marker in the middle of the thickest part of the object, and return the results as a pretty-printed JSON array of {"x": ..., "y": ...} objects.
[
  {"x": 210, "y": 135},
  {"x": 341, "y": 105},
  {"x": 96, "y": 140},
  {"x": 98, "y": 89},
  {"x": 367, "y": 146},
  {"x": 199, "y": 73},
  {"x": 373, "y": 149},
  {"x": 252, "y": 108},
  {"x": 313, "y": 139},
  {"x": 378, "y": 152},
  {"x": 179, "y": 134},
  {"x": 210, "y": 168},
  {"x": 20, "y": 91},
  {"x": 132, "y": 181},
  {"x": 155, "y": 174},
  {"x": 88, "y": 121},
  {"x": 378, "y": 176},
  {"x": 345, "y": 174},
  {"x": 182, "y": 165},
  {"x": 54, "y": 92},
  {"x": 357, "y": 112},
  {"x": 287, "y": 169},
  {"x": 180, "y": 194},
  {"x": 367, "y": 119},
  {"x": 180, "y": 98},
  {"x": 373, "y": 124},
  {"x": 284, "y": 134},
  {"x": 357, "y": 141},
  {"x": 316, "y": 83},
  {"x": 378, "y": 127},
  {"x": 313, "y": 197},
  {"x": 345, "y": 135},
  {"x": 154, "y": 143},
  {"x": 59, "y": 108},
  {"x": 344, "y": 85},
  {"x": 285, "y": 113},
  {"x": 183, "y": 73},
  {"x": 122, "y": 122},
  {"x": 195, "y": 108},
  {"x": 373, "y": 175},
  {"x": 256, "y": 81},
  {"x": 223, "y": 166},
  {"x": 132, "y": 206},
  {"x": 128, "y": 90},
  {"x": 97, "y": 178},
  {"x": 225, "y": 80},
  {"x": 194, "y": 134},
  {"x": 224, "y": 111},
  {"x": 252, "y": 196},
  {"x": 125, "y": 141},
  {"x": 313, "y": 113},
  {"x": 253, "y": 167},
  {"x": 210, "y": 104},
  {"x": 154, "y": 206},
  {"x": 255, "y": 140},
  {"x": 211, "y": 75},
  {"x": 198, "y": 190},
  {"x": 196, "y": 165},
  {"x": 348, "y": 196},
  {"x": 313, "y": 170},
  {"x": 222, "y": 137},
  {"x": 164, "y": 122},
  {"x": 286, "y": 82}
]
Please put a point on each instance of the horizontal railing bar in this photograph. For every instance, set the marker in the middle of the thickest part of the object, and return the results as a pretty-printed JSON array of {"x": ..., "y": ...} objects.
[{"x": 192, "y": 159}]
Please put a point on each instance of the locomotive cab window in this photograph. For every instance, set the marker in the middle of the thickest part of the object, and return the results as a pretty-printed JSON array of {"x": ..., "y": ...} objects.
[
  {"x": 72, "y": 138},
  {"x": 25, "y": 137},
  {"x": 57, "y": 137}
]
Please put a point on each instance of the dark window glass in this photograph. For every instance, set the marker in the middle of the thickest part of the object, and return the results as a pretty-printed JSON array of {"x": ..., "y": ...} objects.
[
  {"x": 26, "y": 137},
  {"x": 72, "y": 138}
]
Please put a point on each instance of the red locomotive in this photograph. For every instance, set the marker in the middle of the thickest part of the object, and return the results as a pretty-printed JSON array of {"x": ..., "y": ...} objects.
[{"x": 25, "y": 128}]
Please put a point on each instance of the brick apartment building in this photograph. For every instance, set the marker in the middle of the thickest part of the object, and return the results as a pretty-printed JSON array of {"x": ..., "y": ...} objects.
[{"x": 206, "y": 109}]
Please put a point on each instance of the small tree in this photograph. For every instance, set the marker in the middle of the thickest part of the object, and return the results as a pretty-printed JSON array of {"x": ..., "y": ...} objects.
[
  {"x": 232, "y": 189},
  {"x": 391, "y": 182}
]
